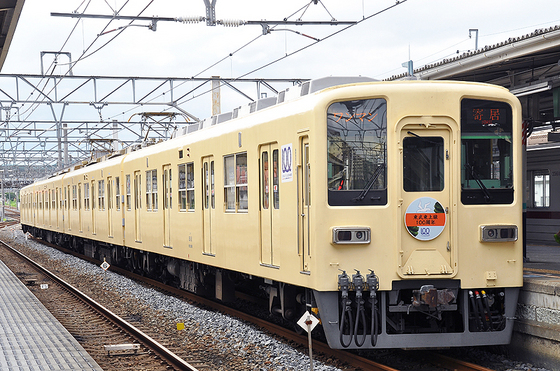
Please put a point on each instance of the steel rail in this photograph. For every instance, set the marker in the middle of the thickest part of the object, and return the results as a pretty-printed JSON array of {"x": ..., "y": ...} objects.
[
  {"x": 455, "y": 364},
  {"x": 159, "y": 349}
]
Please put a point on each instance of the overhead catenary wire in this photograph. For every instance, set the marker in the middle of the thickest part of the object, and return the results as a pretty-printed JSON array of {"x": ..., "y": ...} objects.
[
  {"x": 302, "y": 48},
  {"x": 84, "y": 56}
]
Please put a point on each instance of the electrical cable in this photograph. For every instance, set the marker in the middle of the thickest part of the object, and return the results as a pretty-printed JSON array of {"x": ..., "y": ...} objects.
[
  {"x": 83, "y": 56},
  {"x": 302, "y": 48}
]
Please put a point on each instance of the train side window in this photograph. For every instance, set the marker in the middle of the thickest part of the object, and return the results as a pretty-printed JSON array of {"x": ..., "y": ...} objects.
[
  {"x": 357, "y": 152},
  {"x": 265, "y": 181},
  {"x": 109, "y": 193},
  {"x": 74, "y": 198},
  {"x": 101, "y": 194},
  {"x": 154, "y": 190},
  {"x": 275, "y": 179},
  {"x": 128, "y": 192},
  {"x": 235, "y": 182},
  {"x": 86, "y": 196},
  {"x": 151, "y": 190},
  {"x": 92, "y": 195},
  {"x": 486, "y": 152},
  {"x": 118, "y": 192},
  {"x": 182, "y": 189},
  {"x": 186, "y": 187},
  {"x": 541, "y": 188},
  {"x": 213, "y": 195},
  {"x": 267, "y": 189},
  {"x": 190, "y": 186}
]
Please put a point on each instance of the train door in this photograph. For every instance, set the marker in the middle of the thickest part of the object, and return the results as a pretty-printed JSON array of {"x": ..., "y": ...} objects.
[
  {"x": 270, "y": 201},
  {"x": 137, "y": 204},
  {"x": 208, "y": 204},
  {"x": 425, "y": 199},
  {"x": 304, "y": 204},
  {"x": 92, "y": 196},
  {"x": 56, "y": 204},
  {"x": 80, "y": 219},
  {"x": 67, "y": 206},
  {"x": 110, "y": 206},
  {"x": 167, "y": 198},
  {"x": 49, "y": 201}
]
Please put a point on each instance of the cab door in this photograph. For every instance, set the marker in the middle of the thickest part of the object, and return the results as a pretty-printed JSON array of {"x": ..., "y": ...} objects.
[
  {"x": 425, "y": 199},
  {"x": 269, "y": 202},
  {"x": 208, "y": 205}
]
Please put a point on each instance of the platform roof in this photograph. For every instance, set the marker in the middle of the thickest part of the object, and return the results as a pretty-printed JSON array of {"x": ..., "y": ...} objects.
[
  {"x": 10, "y": 11},
  {"x": 528, "y": 65}
]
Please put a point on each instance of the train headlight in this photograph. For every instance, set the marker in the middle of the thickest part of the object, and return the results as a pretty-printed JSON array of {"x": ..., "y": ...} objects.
[
  {"x": 498, "y": 233},
  {"x": 351, "y": 235}
]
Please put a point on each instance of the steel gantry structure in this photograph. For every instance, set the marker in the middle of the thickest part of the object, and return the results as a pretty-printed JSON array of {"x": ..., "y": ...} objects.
[{"x": 51, "y": 122}]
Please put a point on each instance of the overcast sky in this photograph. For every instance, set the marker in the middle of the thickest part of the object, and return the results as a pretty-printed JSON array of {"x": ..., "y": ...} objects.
[{"x": 427, "y": 30}]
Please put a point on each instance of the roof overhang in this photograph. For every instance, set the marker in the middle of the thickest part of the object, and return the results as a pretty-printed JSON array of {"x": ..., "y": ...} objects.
[
  {"x": 10, "y": 10},
  {"x": 510, "y": 51}
]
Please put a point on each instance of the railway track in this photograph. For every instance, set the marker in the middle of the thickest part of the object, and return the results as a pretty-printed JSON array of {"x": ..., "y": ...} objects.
[
  {"x": 11, "y": 217},
  {"x": 114, "y": 343},
  {"x": 354, "y": 361}
]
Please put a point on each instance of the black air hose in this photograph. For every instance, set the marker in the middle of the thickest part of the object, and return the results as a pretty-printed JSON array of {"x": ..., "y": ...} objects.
[
  {"x": 346, "y": 312},
  {"x": 358, "y": 282},
  {"x": 373, "y": 284},
  {"x": 346, "y": 305}
]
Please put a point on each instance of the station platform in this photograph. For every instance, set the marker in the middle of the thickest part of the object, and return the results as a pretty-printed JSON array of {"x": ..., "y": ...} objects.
[
  {"x": 536, "y": 336},
  {"x": 30, "y": 337}
]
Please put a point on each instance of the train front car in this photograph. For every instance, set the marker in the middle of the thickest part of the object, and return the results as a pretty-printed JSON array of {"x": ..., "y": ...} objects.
[{"x": 415, "y": 211}]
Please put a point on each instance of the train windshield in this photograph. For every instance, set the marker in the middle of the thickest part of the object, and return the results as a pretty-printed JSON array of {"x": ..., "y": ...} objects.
[
  {"x": 357, "y": 152},
  {"x": 486, "y": 152}
]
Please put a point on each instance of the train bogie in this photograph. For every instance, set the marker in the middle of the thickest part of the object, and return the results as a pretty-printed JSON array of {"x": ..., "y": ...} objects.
[{"x": 392, "y": 210}]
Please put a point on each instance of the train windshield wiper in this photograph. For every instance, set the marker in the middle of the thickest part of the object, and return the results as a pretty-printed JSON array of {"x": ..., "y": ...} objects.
[
  {"x": 369, "y": 184},
  {"x": 478, "y": 181}
]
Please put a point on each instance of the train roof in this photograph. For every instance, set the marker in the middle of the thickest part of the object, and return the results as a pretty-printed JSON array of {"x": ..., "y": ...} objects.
[{"x": 194, "y": 132}]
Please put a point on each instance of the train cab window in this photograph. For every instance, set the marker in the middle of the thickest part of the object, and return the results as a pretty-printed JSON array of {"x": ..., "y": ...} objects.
[
  {"x": 357, "y": 152},
  {"x": 486, "y": 152},
  {"x": 423, "y": 165},
  {"x": 235, "y": 182}
]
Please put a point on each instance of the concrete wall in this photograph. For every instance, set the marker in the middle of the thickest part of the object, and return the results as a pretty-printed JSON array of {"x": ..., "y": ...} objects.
[{"x": 536, "y": 337}]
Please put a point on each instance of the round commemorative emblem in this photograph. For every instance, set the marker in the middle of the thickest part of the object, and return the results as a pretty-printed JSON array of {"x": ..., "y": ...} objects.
[{"x": 425, "y": 218}]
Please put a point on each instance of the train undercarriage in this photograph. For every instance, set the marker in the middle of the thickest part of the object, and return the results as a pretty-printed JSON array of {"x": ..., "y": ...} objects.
[{"x": 414, "y": 314}]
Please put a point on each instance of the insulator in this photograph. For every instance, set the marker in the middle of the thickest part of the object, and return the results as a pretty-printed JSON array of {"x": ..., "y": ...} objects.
[
  {"x": 194, "y": 19},
  {"x": 232, "y": 22}
]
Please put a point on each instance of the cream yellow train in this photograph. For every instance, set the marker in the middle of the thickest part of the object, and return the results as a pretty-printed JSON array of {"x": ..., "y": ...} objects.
[{"x": 391, "y": 210}]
